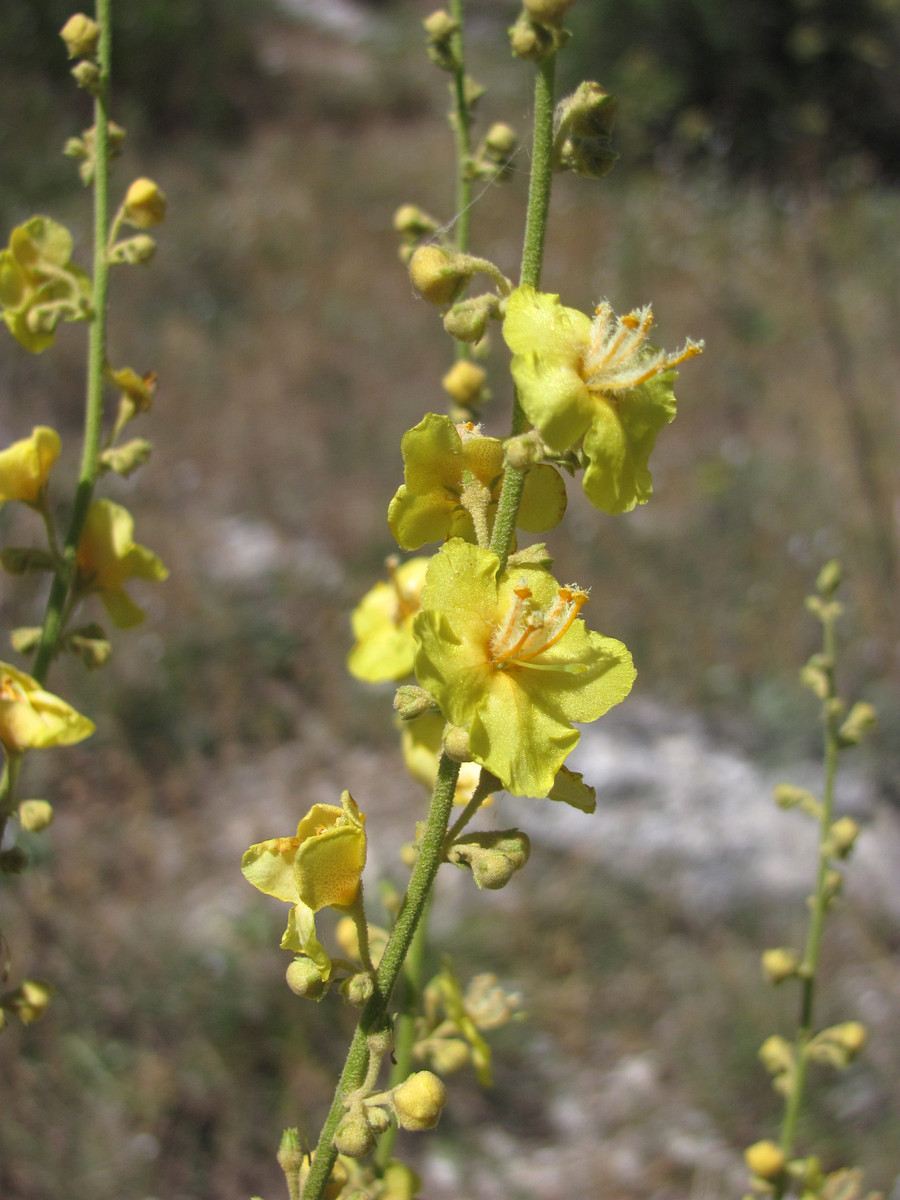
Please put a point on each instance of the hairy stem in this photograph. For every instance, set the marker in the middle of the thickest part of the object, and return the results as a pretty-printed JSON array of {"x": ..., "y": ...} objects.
[{"x": 62, "y": 580}]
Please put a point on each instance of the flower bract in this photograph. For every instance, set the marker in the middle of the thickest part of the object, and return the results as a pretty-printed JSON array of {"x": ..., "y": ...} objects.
[
  {"x": 507, "y": 657},
  {"x": 25, "y": 465},
  {"x": 382, "y": 624},
  {"x": 597, "y": 382},
  {"x": 32, "y": 719},
  {"x": 318, "y": 868},
  {"x": 440, "y": 461},
  {"x": 108, "y": 557}
]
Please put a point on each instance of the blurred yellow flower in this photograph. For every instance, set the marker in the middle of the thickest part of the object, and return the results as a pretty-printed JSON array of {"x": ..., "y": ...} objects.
[
  {"x": 108, "y": 557},
  {"x": 32, "y": 719},
  {"x": 382, "y": 623},
  {"x": 25, "y": 465}
]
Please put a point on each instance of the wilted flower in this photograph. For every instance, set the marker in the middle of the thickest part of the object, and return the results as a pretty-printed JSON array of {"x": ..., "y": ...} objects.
[
  {"x": 319, "y": 868},
  {"x": 108, "y": 557}
]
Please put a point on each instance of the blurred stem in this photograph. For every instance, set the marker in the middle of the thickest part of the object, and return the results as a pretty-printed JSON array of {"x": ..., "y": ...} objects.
[
  {"x": 62, "y": 580},
  {"x": 375, "y": 1016},
  {"x": 820, "y": 899}
]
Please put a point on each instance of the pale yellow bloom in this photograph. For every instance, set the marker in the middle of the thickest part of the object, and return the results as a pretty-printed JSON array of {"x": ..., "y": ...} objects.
[
  {"x": 25, "y": 465},
  {"x": 32, "y": 719}
]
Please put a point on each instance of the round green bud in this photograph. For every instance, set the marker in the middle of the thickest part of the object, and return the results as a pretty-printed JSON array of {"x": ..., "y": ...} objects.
[
  {"x": 779, "y": 964},
  {"x": 135, "y": 251},
  {"x": 419, "y": 1101},
  {"x": 412, "y": 222},
  {"x": 35, "y": 815},
  {"x": 436, "y": 273},
  {"x": 399, "y": 1182},
  {"x": 87, "y": 76},
  {"x": 843, "y": 835},
  {"x": 547, "y": 12},
  {"x": 354, "y": 1137},
  {"x": 456, "y": 744},
  {"x": 765, "y": 1159},
  {"x": 500, "y": 141},
  {"x": 829, "y": 578},
  {"x": 464, "y": 383},
  {"x": 852, "y": 1036},
  {"x": 440, "y": 25},
  {"x": 358, "y": 989},
  {"x": 303, "y": 979},
  {"x": 81, "y": 35},
  {"x": 411, "y": 701},
  {"x": 467, "y": 320}
]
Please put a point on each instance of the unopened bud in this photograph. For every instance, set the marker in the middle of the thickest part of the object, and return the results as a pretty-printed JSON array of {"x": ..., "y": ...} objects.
[
  {"x": 861, "y": 720},
  {"x": 26, "y": 638},
  {"x": 839, "y": 1045},
  {"x": 547, "y": 12},
  {"x": 29, "y": 1001},
  {"x": 412, "y": 222},
  {"x": 842, "y": 837},
  {"x": 777, "y": 1055},
  {"x": 87, "y": 75},
  {"x": 358, "y": 989},
  {"x": 35, "y": 815},
  {"x": 464, "y": 383},
  {"x": 136, "y": 251},
  {"x": 456, "y": 744},
  {"x": 411, "y": 701},
  {"x": 788, "y": 795},
  {"x": 467, "y": 320},
  {"x": 419, "y": 1101},
  {"x": 290, "y": 1151},
  {"x": 583, "y": 125},
  {"x": 303, "y": 979},
  {"x": 500, "y": 141},
  {"x": 440, "y": 24},
  {"x": 829, "y": 578},
  {"x": 765, "y": 1159},
  {"x": 524, "y": 451},
  {"x": 534, "y": 41},
  {"x": 125, "y": 459},
  {"x": 81, "y": 35},
  {"x": 438, "y": 274},
  {"x": 354, "y": 1137},
  {"x": 779, "y": 964},
  {"x": 439, "y": 30},
  {"x": 145, "y": 204},
  {"x": 493, "y": 858}
]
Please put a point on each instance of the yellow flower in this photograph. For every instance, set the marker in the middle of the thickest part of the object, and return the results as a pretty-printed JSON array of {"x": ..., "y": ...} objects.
[
  {"x": 382, "y": 624},
  {"x": 507, "y": 658},
  {"x": 319, "y": 868},
  {"x": 108, "y": 557},
  {"x": 594, "y": 380},
  {"x": 32, "y": 719},
  {"x": 25, "y": 465},
  {"x": 145, "y": 204}
]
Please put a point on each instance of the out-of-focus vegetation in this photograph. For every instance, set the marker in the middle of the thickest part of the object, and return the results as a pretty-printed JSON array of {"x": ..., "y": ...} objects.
[{"x": 290, "y": 350}]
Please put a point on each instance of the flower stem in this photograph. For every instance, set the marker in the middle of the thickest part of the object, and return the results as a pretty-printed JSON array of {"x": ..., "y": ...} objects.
[
  {"x": 375, "y": 1014},
  {"x": 62, "y": 580},
  {"x": 820, "y": 899}
]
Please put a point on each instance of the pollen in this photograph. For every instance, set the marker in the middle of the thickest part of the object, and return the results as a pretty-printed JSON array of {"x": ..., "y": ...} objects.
[
  {"x": 527, "y": 631},
  {"x": 619, "y": 358}
]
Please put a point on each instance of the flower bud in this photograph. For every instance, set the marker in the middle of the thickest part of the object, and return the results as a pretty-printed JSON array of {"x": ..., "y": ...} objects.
[
  {"x": 500, "y": 141},
  {"x": 90, "y": 644},
  {"x": 439, "y": 45},
  {"x": 467, "y": 320},
  {"x": 829, "y": 578},
  {"x": 412, "y": 701},
  {"x": 583, "y": 125},
  {"x": 779, "y": 964},
  {"x": 788, "y": 795},
  {"x": 547, "y": 12},
  {"x": 358, "y": 989},
  {"x": 145, "y": 204},
  {"x": 493, "y": 858},
  {"x": 839, "y": 1045},
  {"x": 126, "y": 459},
  {"x": 438, "y": 274},
  {"x": 456, "y": 744},
  {"x": 87, "y": 76},
  {"x": 413, "y": 223},
  {"x": 399, "y": 1182},
  {"x": 448, "y": 1054},
  {"x": 842, "y": 837},
  {"x": 524, "y": 451},
  {"x": 533, "y": 41},
  {"x": 765, "y": 1159},
  {"x": 136, "y": 251},
  {"x": 464, "y": 383},
  {"x": 419, "y": 1101},
  {"x": 26, "y": 638},
  {"x": 354, "y": 1136},
  {"x": 35, "y": 815},
  {"x": 440, "y": 25},
  {"x": 81, "y": 35},
  {"x": 304, "y": 979},
  {"x": 777, "y": 1055},
  {"x": 861, "y": 720},
  {"x": 290, "y": 1152}
]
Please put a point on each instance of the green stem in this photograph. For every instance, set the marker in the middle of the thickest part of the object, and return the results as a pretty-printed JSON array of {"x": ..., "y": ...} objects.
[
  {"x": 375, "y": 1015},
  {"x": 62, "y": 580},
  {"x": 462, "y": 123},
  {"x": 820, "y": 902},
  {"x": 541, "y": 174}
]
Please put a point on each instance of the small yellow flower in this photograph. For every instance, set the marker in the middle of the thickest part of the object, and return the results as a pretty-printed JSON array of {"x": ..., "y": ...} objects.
[
  {"x": 108, "y": 557},
  {"x": 594, "y": 380},
  {"x": 319, "y": 868},
  {"x": 25, "y": 465},
  {"x": 32, "y": 719},
  {"x": 382, "y": 624},
  {"x": 145, "y": 204}
]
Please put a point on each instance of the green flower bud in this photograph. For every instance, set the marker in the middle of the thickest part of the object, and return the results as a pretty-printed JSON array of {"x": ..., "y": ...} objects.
[
  {"x": 35, "y": 815},
  {"x": 440, "y": 25},
  {"x": 411, "y": 701},
  {"x": 839, "y": 1045},
  {"x": 500, "y": 141},
  {"x": 829, "y": 578},
  {"x": 533, "y": 41},
  {"x": 26, "y": 638},
  {"x": 304, "y": 979},
  {"x": 547, "y": 12},
  {"x": 413, "y": 223},
  {"x": 13, "y": 861},
  {"x": 419, "y": 1101},
  {"x": 524, "y": 451},
  {"x": 87, "y": 76},
  {"x": 765, "y": 1159},
  {"x": 126, "y": 458},
  {"x": 779, "y": 964},
  {"x": 777, "y": 1055},
  {"x": 860, "y": 722},
  {"x": 290, "y": 1151},
  {"x": 145, "y": 204},
  {"x": 583, "y": 125},
  {"x": 136, "y": 251},
  {"x": 467, "y": 320},
  {"x": 439, "y": 44},
  {"x": 465, "y": 383},
  {"x": 354, "y": 1137},
  {"x": 358, "y": 989},
  {"x": 456, "y": 744},
  {"x": 81, "y": 35},
  {"x": 493, "y": 858},
  {"x": 842, "y": 837},
  {"x": 788, "y": 795}
]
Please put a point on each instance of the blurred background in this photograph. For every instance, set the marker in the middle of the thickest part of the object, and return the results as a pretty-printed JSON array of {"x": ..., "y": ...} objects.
[{"x": 755, "y": 204}]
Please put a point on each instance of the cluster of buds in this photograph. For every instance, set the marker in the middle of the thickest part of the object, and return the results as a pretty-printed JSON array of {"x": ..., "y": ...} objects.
[
  {"x": 84, "y": 149},
  {"x": 582, "y": 132},
  {"x": 772, "y": 1173},
  {"x": 416, "y": 1105},
  {"x": 81, "y": 35},
  {"x": 494, "y": 857},
  {"x": 538, "y": 30}
]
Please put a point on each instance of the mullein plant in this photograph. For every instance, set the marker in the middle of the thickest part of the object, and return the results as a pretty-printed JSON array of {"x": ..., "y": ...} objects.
[
  {"x": 777, "y": 1168},
  {"x": 495, "y": 663},
  {"x": 94, "y": 553}
]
